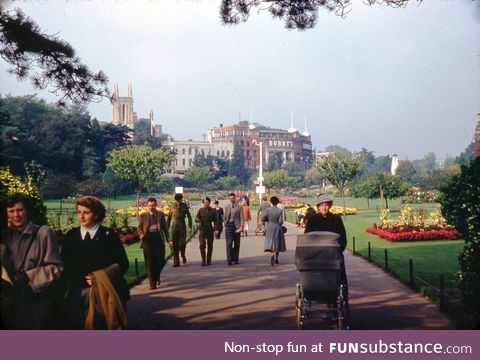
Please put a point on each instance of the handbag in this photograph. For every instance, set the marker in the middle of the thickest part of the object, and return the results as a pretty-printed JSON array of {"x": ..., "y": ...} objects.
[{"x": 284, "y": 229}]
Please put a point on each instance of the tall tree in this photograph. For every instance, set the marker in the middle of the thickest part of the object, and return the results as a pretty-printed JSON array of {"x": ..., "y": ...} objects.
[
  {"x": 461, "y": 207},
  {"x": 25, "y": 47},
  {"x": 298, "y": 14},
  {"x": 406, "y": 171},
  {"x": 140, "y": 165},
  {"x": 275, "y": 161},
  {"x": 199, "y": 177},
  {"x": 237, "y": 165},
  {"x": 340, "y": 169}
]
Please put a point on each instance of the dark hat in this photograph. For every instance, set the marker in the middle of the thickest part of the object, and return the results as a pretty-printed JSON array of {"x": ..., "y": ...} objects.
[{"x": 324, "y": 198}]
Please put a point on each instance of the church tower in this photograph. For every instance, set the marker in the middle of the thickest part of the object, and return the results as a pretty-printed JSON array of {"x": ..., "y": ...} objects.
[{"x": 123, "y": 113}]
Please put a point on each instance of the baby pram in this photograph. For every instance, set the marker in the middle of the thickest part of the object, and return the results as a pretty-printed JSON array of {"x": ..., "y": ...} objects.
[
  {"x": 319, "y": 259},
  {"x": 260, "y": 229}
]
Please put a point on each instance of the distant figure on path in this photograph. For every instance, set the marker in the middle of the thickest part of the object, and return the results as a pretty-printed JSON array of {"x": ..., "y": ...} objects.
[
  {"x": 218, "y": 228},
  {"x": 233, "y": 227},
  {"x": 176, "y": 217},
  {"x": 247, "y": 216},
  {"x": 206, "y": 217},
  {"x": 153, "y": 232},
  {"x": 274, "y": 237},
  {"x": 31, "y": 264},
  {"x": 263, "y": 208}
]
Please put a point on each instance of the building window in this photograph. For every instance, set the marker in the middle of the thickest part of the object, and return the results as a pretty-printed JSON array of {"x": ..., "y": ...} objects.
[
  {"x": 189, "y": 151},
  {"x": 183, "y": 162},
  {"x": 183, "y": 151}
]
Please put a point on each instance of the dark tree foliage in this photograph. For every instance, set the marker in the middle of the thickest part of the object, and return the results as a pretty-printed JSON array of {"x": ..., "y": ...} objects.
[
  {"x": 237, "y": 165},
  {"x": 63, "y": 142},
  {"x": 47, "y": 61},
  {"x": 461, "y": 207},
  {"x": 297, "y": 14},
  {"x": 275, "y": 161}
]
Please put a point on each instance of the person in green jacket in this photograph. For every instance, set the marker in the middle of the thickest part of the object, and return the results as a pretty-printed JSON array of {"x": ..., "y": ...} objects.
[
  {"x": 206, "y": 218},
  {"x": 176, "y": 218}
]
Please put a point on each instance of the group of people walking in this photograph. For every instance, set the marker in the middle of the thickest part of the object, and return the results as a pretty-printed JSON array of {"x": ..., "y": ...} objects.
[{"x": 83, "y": 286}]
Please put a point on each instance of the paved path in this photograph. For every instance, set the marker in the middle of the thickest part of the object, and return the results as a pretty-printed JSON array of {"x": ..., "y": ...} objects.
[{"x": 255, "y": 295}]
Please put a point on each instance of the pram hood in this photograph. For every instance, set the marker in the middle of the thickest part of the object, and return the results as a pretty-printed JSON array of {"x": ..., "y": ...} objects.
[{"x": 318, "y": 250}]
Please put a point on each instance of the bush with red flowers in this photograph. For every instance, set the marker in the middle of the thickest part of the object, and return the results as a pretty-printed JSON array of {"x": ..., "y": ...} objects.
[{"x": 128, "y": 235}]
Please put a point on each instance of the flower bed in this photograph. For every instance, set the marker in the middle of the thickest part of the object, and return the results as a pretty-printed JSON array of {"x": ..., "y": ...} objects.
[
  {"x": 413, "y": 226},
  {"x": 414, "y": 235},
  {"x": 337, "y": 210},
  {"x": 291, "y": 202}
]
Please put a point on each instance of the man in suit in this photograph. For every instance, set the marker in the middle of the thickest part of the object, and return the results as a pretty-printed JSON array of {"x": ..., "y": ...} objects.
[
  {"x": 233, "y": 227},
  {"x": 153, "y": 232}
]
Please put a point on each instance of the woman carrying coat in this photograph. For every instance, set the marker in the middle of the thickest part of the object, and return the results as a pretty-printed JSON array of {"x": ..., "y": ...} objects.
[
  {"x": 274, "y": 238},
  {"x": 95, "y": 263}
]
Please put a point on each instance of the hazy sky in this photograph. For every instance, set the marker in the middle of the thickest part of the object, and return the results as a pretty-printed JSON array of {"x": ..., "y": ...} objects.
[{"x": 391, "y": 80}]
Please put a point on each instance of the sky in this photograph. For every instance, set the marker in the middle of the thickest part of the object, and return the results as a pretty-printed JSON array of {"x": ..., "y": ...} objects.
[{"x": 402, "y": 81}]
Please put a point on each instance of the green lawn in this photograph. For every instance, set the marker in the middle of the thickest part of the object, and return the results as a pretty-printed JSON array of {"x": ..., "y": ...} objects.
[{"x": 430, "y": 258}]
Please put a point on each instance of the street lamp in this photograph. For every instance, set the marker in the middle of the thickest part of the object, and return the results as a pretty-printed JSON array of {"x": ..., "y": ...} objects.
[{"x": 260, "y": 187}]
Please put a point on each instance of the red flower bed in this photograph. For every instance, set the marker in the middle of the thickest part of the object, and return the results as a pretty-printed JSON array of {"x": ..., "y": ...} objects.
[{"x": 414, "y": 235}]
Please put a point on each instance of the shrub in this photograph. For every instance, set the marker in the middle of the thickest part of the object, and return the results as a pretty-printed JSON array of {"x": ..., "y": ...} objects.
[
  {"x": 93, "y": 187},
  {"x": 59, "y": 187},
  {"x": 10, "y": 185}
]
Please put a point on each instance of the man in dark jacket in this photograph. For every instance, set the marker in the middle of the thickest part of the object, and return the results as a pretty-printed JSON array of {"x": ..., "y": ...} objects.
[
  {"x": 176, "y": 217},
  {"x": 206, "y": 217}
]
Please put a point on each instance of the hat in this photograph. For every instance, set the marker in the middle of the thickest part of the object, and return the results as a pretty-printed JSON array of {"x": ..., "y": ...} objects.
[{"x": 324, "y": 198}]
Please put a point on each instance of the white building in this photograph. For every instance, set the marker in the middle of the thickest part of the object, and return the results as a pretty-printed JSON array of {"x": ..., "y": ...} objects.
[{"x": 185, "y": 152}]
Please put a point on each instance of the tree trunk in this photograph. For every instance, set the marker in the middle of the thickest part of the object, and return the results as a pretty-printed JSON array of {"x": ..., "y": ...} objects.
[
  {"x": 343, "y": 197},
  {"x": 386, "y": 203},
  {"x": 368, "y": 203},
  {"x": 137, "y": 205},
  {"x": 381, "y": 199}
]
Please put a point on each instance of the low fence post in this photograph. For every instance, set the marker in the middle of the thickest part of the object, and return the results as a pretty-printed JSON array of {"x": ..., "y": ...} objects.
[
  {"x": 386, "y": 260},
  {"x": 136, "y": 269},
  {"x": 442, "y": 291},
  {"x": 369, "y": 252},
  {"x": 353, "y": 245},
  {"x": 410, "y": 270}
]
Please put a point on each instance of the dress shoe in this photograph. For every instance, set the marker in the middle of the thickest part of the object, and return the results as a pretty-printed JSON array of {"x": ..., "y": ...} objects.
[
  {"x": 276, "y": 261},
  {"x": 184, "y": 259},
  {"x": 158, "y": 282},
  {"x": 236, "y": 262},
  {"x": 153, "y": 287},
  {"x": 203, "y": 263},
  {"x": 272, "y": 260},
  {"x": 176, "y": 265},
  {"x": 209, "y": 263},
  {"x": 229, "y": 263}
]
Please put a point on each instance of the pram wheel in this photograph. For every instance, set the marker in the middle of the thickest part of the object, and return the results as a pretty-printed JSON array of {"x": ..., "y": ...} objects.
[{"x": 299, "y": 308}]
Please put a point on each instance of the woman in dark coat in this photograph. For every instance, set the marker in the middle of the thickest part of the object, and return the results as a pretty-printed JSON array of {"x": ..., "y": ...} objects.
[
  {"x": 324, "y": 220},
  {"x": 274, "y": 237},
  {"x": 86, "y": 250}
]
